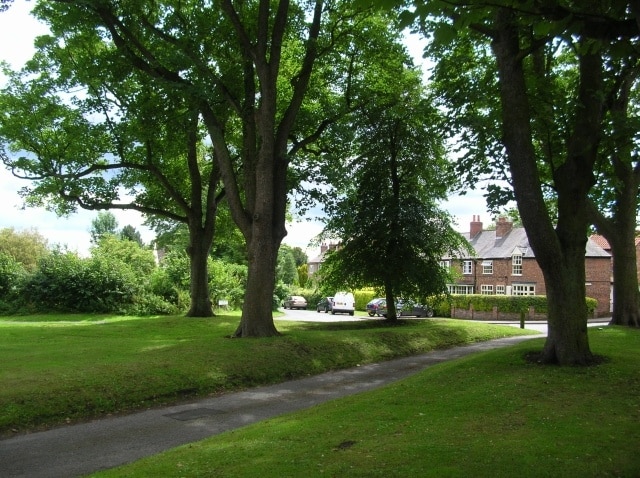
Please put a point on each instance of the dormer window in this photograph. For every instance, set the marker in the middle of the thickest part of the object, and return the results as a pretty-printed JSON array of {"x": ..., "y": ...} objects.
[
  {"x": 487, "y": 267},
  {"x": 516, "y": 263}
]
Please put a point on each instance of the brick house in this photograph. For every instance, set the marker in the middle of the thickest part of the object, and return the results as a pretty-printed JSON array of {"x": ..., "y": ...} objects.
[
  {"x": 314, "y": 264},
  {"x": 504, "y": 263},
  {"x": 602, "y": 242}
]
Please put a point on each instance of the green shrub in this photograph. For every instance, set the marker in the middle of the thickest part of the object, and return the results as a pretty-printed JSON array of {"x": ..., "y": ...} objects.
[
  {"x": 363, "y": 297},
  {"x": 67, "y": 283},
  {"x": 56, "y": 282},
  {"x": 151, "y": 304},
  {"x": 505, "y": 303},
  {"x": 227, "y": 281},
  {"x": 12, "y": 273}
]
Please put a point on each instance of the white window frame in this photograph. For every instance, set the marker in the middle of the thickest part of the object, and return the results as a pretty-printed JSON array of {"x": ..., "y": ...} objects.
[
  {"x": 501, "y": 290},
  {"x": 523, "y": 289},
  {"x": 467, "y": 267},
  {"x": 487, "y": 267},
  {"x": 446, "y": 265},
  {"x": 461, "y": 289},
  {"x": 486, "y": 289},
  {"x": 516, "y": 265}
]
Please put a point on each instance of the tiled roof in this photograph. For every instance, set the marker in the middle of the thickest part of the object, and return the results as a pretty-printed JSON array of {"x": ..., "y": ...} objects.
[
  {"x": 601, "y": 241},
  {"x": 487, "y": 246}
]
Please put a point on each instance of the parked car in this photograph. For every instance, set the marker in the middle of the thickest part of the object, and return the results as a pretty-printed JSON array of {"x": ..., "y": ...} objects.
[
  {"x": 373, "y": 307},
  {"x": 343, "y": 302},
  {"x": 295, "y": 302},
  {"x": 407, "y": 308},
  {"x": 325, "y": 304}
]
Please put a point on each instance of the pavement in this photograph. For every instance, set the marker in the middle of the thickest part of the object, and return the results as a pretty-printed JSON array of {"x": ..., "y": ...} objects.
[{"x": 77, "y": 450}]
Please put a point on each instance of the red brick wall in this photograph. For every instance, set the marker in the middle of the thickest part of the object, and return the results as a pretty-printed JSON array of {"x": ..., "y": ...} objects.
[{"x": 598, "y": 274}]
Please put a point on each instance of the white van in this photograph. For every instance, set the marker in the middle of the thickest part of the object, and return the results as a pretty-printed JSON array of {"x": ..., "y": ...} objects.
[{"x": 343, "y": 302}]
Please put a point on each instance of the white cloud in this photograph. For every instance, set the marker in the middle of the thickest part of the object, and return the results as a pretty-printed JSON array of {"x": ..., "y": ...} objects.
[
  {"x": 72, "y": 231},
  {"x": 18, "y": 30}
]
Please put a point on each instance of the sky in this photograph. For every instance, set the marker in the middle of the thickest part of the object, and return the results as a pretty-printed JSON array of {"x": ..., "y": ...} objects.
[{"x": 17, "y": 33}]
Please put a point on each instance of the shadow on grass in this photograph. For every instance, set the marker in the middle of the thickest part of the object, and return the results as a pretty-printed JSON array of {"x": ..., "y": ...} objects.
[{"x": 369, "y": 324}]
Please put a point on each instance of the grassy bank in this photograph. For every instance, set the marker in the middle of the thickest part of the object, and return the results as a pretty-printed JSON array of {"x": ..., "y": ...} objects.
[
  {"x": 62, "y": 369},
  {"x": 488, "y": 415}
]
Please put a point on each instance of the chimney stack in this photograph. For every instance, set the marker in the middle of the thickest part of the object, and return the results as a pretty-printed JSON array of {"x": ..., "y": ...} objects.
[
  {"x": 503, "y": 227},
  {"x": 475, "y": 227}
]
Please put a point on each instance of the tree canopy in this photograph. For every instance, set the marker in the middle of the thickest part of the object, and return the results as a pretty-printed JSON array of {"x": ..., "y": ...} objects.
[
  {"x": 264, "y": 78},
  {"x": 385, "y": 214}
]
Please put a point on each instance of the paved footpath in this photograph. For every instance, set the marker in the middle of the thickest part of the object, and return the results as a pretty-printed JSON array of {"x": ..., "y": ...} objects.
[{"x": 89, "y": 447}]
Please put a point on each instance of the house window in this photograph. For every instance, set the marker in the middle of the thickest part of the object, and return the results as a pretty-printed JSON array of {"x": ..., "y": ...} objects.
[
  {"x": 500, "y": 290},
  {"x": 487, "y": 267},
  {"x": 446, "y": 265},
  {"x": 467, "y": 267},
  {"x": 523, "y": 289},
  {"x": 516, "y": 264},
  {"x": 460, "y": 289},
  {"x": 486, "y": 289}
]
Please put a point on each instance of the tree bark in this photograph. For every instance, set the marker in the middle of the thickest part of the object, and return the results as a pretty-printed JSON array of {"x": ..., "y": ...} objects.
[
  {"x": 619, "y": 227},
  {"x": 201, "y": 222},
  {"x": 560, "y": 251},
  {"x": 626, "y": 297},
  {"x": 257, "y": 313},
  {"x": 198, "y": 252}
]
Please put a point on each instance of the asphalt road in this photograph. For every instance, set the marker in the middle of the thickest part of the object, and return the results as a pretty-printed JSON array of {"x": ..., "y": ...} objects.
[{"x": 313, "y": 316}]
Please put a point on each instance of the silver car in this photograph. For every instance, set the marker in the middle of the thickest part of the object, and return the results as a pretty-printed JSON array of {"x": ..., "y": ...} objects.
[{"x": 295, "y": 302}]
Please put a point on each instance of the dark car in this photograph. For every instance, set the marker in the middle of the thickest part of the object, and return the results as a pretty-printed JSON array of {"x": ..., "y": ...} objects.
[
  {"x": 373, "y": 307},
  {"x": 325, "y": 305},
  {"x": 406, "y": 308}
]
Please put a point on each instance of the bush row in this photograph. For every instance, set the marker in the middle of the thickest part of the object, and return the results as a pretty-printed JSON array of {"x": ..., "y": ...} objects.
[
  {"x": 117, "y": 278},
  {"x": 504, "y": 303}
]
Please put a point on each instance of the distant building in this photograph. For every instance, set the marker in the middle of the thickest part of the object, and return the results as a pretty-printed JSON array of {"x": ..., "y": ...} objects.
[
  {"x": 313, "y": 265},
  {"x": 503, "y": 263},
  {"x": 602, "y": 242}
]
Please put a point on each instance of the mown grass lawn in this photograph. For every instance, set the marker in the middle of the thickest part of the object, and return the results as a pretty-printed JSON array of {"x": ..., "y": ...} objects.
[
  {"x": 493, "y": 414},
  {"x": 63, "y": 369}
]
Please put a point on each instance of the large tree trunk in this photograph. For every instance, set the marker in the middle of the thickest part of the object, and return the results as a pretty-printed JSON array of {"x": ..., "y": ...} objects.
[
  {"x": 198, "y": 252},
  {"x": 201, "y": 223},
  {"x": 560, "y": 251},
  {"x": 257, "y": 312},
  {"x": 626, "y": 297},
  {"x": 620, "y": 232},
  {"x": 392, "y": 313},
  {"x": 567, "y": 340}
]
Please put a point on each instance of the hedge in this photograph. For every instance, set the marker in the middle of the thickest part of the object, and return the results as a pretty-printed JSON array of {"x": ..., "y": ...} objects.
[{"x": 504, "y": 303}]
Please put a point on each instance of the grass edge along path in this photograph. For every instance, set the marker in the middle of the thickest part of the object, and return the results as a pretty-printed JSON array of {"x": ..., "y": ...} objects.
[
  {"x": 64, "y": 369},
  {"x": 487, "y": 415}
]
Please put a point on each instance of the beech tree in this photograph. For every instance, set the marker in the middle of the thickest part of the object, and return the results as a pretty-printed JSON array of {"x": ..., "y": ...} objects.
[
  {"x": 593, "y": 33},
  {"x": 266, "y": 78},
  {"x": 90, "y": 132}
]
